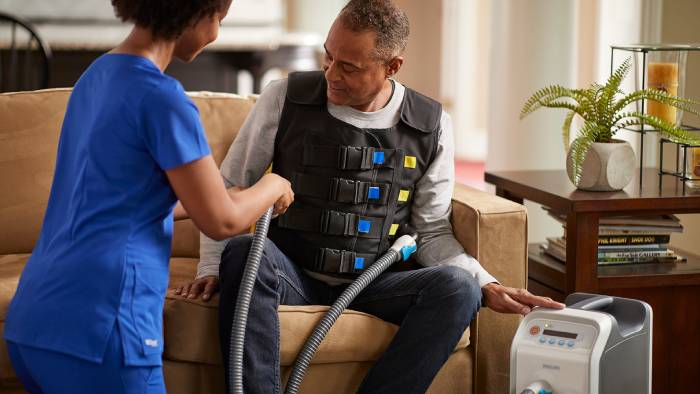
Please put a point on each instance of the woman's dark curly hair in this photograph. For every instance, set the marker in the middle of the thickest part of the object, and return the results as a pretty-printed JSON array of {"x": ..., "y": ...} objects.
[{"x": 167, "y": 19}]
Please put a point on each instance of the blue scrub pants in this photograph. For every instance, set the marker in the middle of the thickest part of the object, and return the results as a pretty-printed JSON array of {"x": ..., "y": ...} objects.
[{"x": 48, "y": 372}]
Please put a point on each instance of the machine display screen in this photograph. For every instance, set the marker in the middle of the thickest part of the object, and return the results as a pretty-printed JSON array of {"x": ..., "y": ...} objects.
[{"x": 562, "y": 334}]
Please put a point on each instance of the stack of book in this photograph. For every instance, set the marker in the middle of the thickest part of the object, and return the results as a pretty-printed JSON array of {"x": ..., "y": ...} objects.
[{"x": 626, "y": 239}]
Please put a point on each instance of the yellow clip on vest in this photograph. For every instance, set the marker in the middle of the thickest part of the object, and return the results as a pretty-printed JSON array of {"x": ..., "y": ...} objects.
[
  {"x": 409, "y": 162},
  {"x": 393, "y": 229}
]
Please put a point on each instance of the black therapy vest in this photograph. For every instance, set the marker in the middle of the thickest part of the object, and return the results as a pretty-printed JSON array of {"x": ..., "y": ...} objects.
[{"x": 353, "y": 187}]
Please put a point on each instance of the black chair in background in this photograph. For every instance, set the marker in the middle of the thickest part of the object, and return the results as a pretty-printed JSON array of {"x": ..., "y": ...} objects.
[{"x": 24, "y": 56}]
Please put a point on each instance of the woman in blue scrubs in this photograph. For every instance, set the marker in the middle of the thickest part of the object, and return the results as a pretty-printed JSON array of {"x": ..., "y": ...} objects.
[{"x": 87, "y": 315}]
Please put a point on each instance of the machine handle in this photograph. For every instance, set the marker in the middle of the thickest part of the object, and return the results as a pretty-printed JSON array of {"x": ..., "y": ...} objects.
[{"x": 593, "y": 303}]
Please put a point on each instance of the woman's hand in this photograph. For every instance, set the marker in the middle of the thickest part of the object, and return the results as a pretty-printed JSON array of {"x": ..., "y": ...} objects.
[
  {"x": 206, "y": 286},
  {"x": 285, "y": 188},
  {"x": 221, "y": 213},
  {"x": 179, "y": 212},
  {"x": 511, "y": 300}
]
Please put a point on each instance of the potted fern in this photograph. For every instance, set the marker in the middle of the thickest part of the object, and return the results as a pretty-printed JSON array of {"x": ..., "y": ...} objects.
[{"x": 595, "y": 160}]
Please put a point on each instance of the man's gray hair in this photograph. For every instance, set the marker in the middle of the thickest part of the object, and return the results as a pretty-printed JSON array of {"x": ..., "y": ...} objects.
[{"x": 384, "y": 18}]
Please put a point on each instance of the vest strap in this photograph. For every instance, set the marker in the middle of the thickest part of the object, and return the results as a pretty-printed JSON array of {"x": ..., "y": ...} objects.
[
  {"x": 349, "y": 157},
  {"x": 341, "y": 190},
  {"x": 331, "y": 222},
  {"x": 341, "y": 261}
]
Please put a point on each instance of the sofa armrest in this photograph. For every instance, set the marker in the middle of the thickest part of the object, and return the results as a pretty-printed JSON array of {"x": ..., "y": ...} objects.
[{"x": 494, "y": 231}]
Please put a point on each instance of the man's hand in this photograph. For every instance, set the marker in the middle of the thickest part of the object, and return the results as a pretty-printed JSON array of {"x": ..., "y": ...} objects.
[
  {"x": 206, "y": 285},
  {"x": 511, "y": 300}
]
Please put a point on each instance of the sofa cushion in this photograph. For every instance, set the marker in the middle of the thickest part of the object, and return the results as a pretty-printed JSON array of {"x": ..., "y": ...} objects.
[
  {"x": 11, "y": 266},
  {"x": 29, "y": 133},
  {"x": 455, "y": 376},
  {"x": 10, "y": 269},
  {"x": 189, "y": 324}
]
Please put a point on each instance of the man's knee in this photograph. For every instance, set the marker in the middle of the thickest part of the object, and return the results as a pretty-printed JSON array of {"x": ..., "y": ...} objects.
[
  {"x": 459, "y": 285},
  {"x": 234, "y": 256}
]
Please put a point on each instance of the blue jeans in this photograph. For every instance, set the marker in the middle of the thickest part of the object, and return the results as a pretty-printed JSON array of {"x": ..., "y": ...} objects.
[
  {"x": 433, "y": 306},
  {"x": 44, "y": 371}
]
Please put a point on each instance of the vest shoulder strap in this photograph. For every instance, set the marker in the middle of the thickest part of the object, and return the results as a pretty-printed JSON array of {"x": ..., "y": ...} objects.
[
  {"x": 420, "y": 111},
  {"x": 307, "y": 88}
]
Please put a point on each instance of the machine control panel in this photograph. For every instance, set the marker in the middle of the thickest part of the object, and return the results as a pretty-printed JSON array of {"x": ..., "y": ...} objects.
[{"x": 564, "y": 335}]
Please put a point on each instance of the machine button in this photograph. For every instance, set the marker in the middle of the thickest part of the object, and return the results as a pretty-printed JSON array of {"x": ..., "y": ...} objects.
[
  {"x": 552, "y": 341},
  {"x": 561, "y": 342},
  {"x": 570, "y": 344},
  {"x": 543, "y": 339},
  {"x": 534, "y": 330}
]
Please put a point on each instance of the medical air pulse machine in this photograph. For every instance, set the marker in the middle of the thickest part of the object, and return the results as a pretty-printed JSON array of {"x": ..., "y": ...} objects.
[{"x": 597, "y": 345}]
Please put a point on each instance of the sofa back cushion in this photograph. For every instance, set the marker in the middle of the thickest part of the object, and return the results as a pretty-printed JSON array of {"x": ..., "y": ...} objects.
[
  {"x": 29, "y": 128},
  {"x": 30, "y": 124}
]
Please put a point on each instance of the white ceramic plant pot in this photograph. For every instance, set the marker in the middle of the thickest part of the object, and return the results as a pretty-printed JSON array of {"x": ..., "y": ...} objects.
[{"x": 608, "y": 166}]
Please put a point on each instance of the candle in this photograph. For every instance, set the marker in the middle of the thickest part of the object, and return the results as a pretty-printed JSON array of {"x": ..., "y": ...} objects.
[
  {"x": 695, "y": 162},
  {"x": 663, "y": 76}
]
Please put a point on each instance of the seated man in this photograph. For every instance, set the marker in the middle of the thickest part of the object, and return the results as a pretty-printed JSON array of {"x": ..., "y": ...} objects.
[{"x": 364, "y": 155}]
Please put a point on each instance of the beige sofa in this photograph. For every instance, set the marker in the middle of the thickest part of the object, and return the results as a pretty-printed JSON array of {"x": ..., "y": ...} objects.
[{"x": 490, "y": 228}]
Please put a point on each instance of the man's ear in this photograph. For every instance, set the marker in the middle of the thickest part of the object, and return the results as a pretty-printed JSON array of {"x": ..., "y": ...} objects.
[{"x": 393, "y": 66}]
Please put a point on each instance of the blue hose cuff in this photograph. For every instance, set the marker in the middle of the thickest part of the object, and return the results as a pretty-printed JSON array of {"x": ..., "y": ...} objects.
[{"x": 407, "y": 251}]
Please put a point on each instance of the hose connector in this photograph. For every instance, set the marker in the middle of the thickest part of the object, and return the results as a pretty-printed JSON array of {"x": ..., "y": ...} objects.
[
  {"x": 405, "y": 245},
  {"x": 538, "y": 387}
]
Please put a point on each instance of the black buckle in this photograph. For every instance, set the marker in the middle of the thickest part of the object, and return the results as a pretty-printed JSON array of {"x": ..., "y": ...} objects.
[
  {"x": 320, "y": 260},
  {"x": 342, "y": 157},
  {"x": 333, "y": 189},
  {"x": 338, "y": 223},
  {"x": 347, "y": 191},
  {"x": 347, "y": 259},
  {"x": 325, "y": 221},
  {"x": 354, "y": 157},
  {"x": 367, "y": 161},
  {"x": 335, "y": 261},
  {"x": 350, "y": 225}
]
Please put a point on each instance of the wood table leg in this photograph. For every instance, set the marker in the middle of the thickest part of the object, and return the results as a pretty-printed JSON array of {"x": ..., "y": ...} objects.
[{"x": 582, "y": 252}]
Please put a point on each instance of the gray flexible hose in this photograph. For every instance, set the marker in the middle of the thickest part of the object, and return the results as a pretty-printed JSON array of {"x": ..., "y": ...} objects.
[
  {"x": 240, "y": 316},
  {"x": 307, "y": 352}
]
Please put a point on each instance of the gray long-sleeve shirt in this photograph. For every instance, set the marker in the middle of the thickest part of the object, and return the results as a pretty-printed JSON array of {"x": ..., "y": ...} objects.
[{"x": 252, "y": 151}]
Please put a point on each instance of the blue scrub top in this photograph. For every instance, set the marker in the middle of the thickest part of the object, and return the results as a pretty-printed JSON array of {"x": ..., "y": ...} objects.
[{"x": 103, "y": 252}]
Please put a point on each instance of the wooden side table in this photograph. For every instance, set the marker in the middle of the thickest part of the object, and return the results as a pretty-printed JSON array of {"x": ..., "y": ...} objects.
[{"x": 672, "y": 289}]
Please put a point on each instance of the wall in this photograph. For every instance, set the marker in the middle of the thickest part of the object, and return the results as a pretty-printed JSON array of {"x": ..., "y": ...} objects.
[
  {"x": 679, "y": 25},
  {"x": 248, "y": 12},
  {"x": 421, "y": 70},
  {"x": 312, "y": 15},
  {"x": 531, "y": 47},
  {"x": 465, "y": 73}
]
